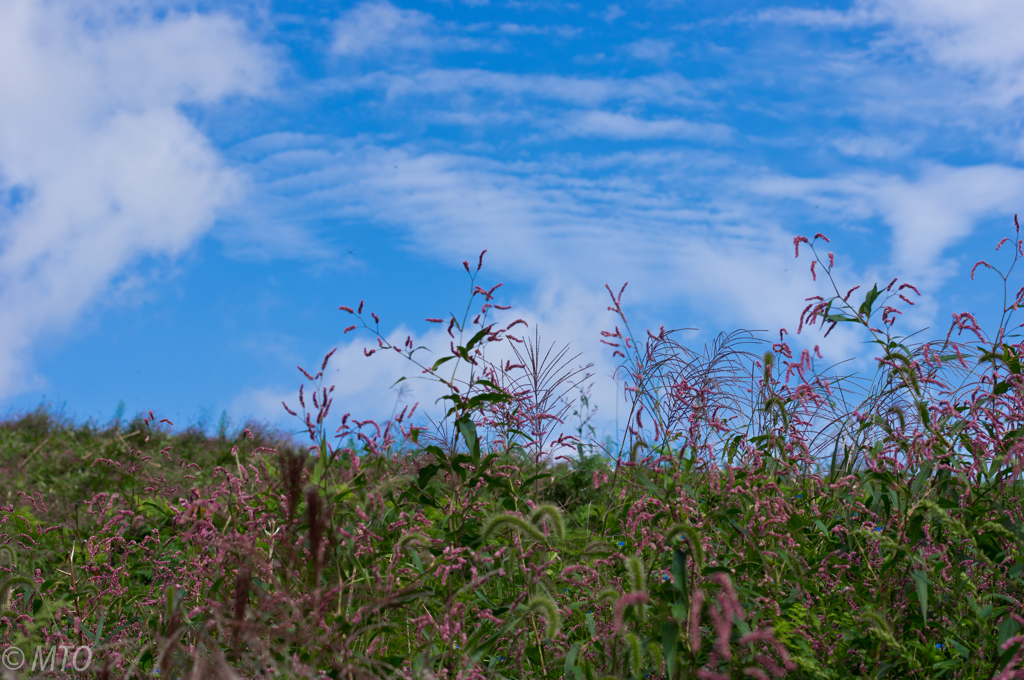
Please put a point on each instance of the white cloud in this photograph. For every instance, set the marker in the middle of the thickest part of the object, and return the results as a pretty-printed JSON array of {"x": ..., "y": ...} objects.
[
  {"x": 980, "y": 38},
  {"x": 612, "y": 13},
  {"x": 378, "y": 26},
  {"x": 942, "y": 208},
  {"x": 982, "y": 35},
  {"x": 526, "y": 29},
  {"x": 624, "y": 126},
  {"x": 643, "y": 216},
  {"x": 866, "y": 146},
  {"x": 263, "y": 404},
  {"x": 91, "y": 133},
  {"x": 817, "y": 18},
  {"x": 650, "y": 49},
  {"x": 665, "y": 89},
  {"x": 928, "y": 215}
]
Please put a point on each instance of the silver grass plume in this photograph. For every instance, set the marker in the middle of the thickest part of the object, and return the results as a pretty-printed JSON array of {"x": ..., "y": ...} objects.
[
  {"x": 551, "y": 511},
  {"x": 501, "y": 520}
]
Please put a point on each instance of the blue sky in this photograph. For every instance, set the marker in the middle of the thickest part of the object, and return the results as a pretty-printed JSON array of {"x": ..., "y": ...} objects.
[{"x": 188, "y": 191}]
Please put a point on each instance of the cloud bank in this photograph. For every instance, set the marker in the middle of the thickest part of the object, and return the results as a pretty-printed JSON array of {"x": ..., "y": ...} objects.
[{"x": 99, "y": 167}]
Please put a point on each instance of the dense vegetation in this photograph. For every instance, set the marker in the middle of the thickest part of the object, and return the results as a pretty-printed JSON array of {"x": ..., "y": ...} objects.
[{"x": 762, "y": 518}]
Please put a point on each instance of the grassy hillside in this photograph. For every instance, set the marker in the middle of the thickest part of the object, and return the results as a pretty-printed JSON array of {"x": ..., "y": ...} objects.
[{"x": 762, "y": 519}]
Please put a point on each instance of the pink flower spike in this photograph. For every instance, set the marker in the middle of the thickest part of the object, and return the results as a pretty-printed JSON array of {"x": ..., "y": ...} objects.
[
  {"x": 694, "y": 622},
  {"x": 813, "y": 275},
  {"x": 822, "y": 237},
  {"x": 375, "y": 317},
  {"x": 831, "y": 260},
  {"x": 360, "y": 310},
  {"x": 796, "y": 243},
  {"x": 465, "y": 263},
  {"x": 326, "y": 358},
  {"x": 907, "y": 285},
  {"x": 710, "y": 675},
  {"x": 368, "y": 353},
  {"x": 636, "y": 597},
  {"x": 889, "y": 287},
  {"x": 346, "y": 309},
  {"x": 350, "y": 328},
  {"x": 436, "y": 320},
  {"x": 481, "y": 262}
]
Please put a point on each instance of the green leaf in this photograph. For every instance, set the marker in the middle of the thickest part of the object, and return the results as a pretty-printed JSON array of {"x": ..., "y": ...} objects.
[
  {"x": 99, "y": 627},
  {"x": 426, "y": 473},
  {"x": 914, "y": 528},
  {"x": 146, "y": 660},
  {"x": 645, "y": 480},
  {"x": 487, "y": 397},
  {"x": 960, "y": 649},
  {"x": 437, "y": 453},
  {"x": 478, "y": 337},
  {"x": 696, "y": 549},
  {"x": 533, "y": 479},
  {"x": 468, "y": 430},
  {"x": 570, "y": 669},
  {"x": 439, "y": 362},
  {"x": 679, "y": 570},
  {"x": 869, "y": 299},
  {"x": 988, "y": 543},
  {"x": 156, "y": 506},
  {"x": 669, "y": 639},
  {"x": 921, "y": 581},
  {"x": 126, "y": 624},
  {"x": 1007, "y": 655},
  {"x": 1008, "y": 627}
]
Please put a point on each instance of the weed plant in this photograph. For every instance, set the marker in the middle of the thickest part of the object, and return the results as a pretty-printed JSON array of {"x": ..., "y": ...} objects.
[{"x": 761, "y": 519}]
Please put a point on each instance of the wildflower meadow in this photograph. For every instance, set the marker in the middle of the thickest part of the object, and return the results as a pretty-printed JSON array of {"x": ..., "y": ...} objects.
[{"x": 764, "y": 516}]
